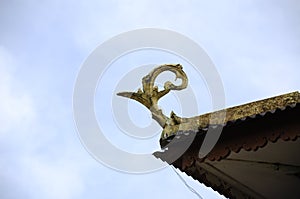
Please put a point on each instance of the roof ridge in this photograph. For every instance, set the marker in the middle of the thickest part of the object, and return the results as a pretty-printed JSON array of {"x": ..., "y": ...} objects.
[{"x": 231, "y": 114}]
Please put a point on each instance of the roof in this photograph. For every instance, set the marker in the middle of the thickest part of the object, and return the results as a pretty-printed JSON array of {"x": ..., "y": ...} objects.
[
  {"x": 242, "y": 112},
  {"x": 266, "y": 130}
]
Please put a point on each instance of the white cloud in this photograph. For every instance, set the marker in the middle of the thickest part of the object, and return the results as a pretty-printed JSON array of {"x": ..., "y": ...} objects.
[
  {"x": 53, "y": 179},
  {"x": 37, "y": 159},
  {"x": 16, "y": 107},
  {"x": 99, "y": 21}
]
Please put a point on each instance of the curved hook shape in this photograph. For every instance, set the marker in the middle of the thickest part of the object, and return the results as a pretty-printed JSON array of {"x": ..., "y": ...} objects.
[
  {"x": 149, "y": 94},
  {"x": 149, "y": 80}
]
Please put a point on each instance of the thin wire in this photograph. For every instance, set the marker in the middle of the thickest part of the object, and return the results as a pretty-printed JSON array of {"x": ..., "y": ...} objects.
[{"x": 185, "y": 183}]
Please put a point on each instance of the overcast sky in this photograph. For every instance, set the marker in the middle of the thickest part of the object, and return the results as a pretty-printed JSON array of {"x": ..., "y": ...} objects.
[{"x": 255, "y": 46}]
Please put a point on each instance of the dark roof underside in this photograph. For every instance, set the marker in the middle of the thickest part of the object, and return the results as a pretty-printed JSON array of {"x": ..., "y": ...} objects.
[{"x": 269, "y": 165}]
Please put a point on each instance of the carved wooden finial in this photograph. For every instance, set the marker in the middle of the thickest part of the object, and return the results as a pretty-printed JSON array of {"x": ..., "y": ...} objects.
[{"x": 149, "y": 94}]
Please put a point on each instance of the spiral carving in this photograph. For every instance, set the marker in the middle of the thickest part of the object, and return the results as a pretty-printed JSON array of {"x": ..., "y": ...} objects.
[{"x": 149, "y": 94}]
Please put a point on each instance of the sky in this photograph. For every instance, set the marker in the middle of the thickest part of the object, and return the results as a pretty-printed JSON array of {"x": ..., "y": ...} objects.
[{"x": 255, "y": 46}]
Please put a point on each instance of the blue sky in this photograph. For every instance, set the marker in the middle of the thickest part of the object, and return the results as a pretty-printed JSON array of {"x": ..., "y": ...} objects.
[{"x": 255, "y": 46}]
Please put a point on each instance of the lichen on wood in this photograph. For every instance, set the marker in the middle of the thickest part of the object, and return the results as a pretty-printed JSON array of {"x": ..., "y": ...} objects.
[{"x": 149, "y": 95}]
